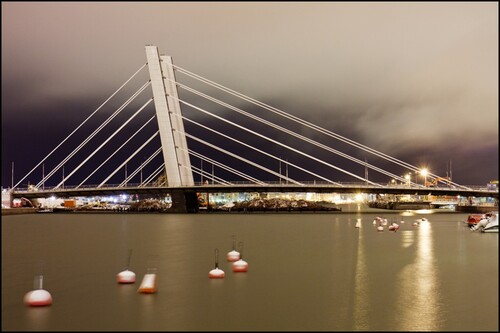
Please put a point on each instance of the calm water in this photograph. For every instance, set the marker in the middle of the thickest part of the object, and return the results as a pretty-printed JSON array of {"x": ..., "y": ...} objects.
[{"x": 306, "y": 272}]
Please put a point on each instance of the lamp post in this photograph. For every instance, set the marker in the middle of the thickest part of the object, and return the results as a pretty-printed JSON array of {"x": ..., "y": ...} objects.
[
  {"x": 408, "y": 179},
  {"x": 424, "y": 173}
]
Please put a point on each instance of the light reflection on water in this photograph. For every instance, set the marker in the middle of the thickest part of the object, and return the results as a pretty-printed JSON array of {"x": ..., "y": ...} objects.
[
  {"x": 418, "y": 304},
  {"x": 306, "y": 272},
  {"x": 361, "y": 306}
]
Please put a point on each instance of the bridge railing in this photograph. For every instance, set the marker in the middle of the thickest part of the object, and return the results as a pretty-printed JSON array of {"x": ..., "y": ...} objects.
[{"x": 252, "y": 185}]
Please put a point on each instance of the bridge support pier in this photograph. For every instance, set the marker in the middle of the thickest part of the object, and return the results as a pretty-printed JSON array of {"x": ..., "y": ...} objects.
[{"x": 184, "y": 201}]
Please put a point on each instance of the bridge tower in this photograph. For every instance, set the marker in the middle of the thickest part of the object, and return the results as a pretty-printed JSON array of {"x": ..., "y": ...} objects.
[{"x": 168, "y": 113}]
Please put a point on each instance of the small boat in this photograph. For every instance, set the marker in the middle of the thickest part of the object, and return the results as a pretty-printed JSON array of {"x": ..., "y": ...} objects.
[
  {"x": 491, "y": 228},
  {"x": 492, "y": 225},
  {"x": 473, "y": 219},
  {"x": 488, "y": 224}
]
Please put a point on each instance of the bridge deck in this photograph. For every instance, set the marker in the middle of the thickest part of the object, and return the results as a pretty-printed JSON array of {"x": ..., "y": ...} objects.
[{"x": 471, "y": 191}]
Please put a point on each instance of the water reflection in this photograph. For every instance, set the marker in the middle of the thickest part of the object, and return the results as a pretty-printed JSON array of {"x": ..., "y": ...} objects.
[
  {"x": 309, "y": 272},
  {"x": 38, "y": 318},
  {"x": 361, "y": 305},
  {"x": 407, "y": 238},
  {"x": 418, "y": 289},
  {"x": 147, "y": 306}
]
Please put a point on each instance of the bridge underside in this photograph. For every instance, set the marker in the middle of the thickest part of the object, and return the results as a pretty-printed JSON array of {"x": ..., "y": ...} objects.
[{"x": 183, "y": 200}]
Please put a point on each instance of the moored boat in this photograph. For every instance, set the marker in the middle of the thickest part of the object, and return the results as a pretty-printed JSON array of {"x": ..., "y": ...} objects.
[
  {"x": 492, "y": 225},
  {"x": 473, "y": 219},
  {"x": 488, "y": 224}
]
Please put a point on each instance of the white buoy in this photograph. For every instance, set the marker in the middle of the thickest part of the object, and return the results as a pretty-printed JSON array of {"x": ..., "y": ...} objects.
[
  {"x": 240, "y": 265},
  {"x": 40, "y": 296},
  {"x": 358, "y": 223},
  {"x": 415, "y": 223},
  {"x": 233, "y": 255},
  {"x": 394, "y": 226},
  {"x": 148, "y": 284},
  {"x": 126, "y": 276},
  {"x": 216, "y": 273},
  {"x": 380, "y": 228}
]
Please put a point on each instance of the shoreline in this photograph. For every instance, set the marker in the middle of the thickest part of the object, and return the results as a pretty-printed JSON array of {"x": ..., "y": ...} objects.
[{"x": 16, "y": 211}]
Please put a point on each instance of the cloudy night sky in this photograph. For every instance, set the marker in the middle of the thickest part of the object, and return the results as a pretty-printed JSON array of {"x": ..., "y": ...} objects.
[{"x": 416, "y": 81}]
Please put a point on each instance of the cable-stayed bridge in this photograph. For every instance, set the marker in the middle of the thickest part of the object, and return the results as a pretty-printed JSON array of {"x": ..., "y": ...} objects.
[{"x": 221, "y": 141}]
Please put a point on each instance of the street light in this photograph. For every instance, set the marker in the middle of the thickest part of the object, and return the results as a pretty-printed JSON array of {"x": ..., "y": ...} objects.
[
  {"x": 408, "y": 178},
  {"x": 424, "y": 173}
]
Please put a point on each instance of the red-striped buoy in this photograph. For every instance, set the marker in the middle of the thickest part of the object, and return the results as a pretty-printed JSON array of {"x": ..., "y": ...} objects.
[
  {"x": 233, "y": 255},
  {"x": 216, "y": 273},
  {"x": 394, "y": 226},
  {"x": 148, "y": 284},
  {"x": 40, "y": 296},
  {"x": 240, "y": 265},
  {"x": 126, "y": 276}
]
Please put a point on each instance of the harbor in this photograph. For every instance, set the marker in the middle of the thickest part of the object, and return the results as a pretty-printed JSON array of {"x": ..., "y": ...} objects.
[{"x": 320, "y": 271}]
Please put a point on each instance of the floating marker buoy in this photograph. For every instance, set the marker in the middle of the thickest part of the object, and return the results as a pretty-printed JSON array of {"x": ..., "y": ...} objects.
[
  {"x": 38, "y": 297},
  {"x": 380, "y": 228},
  {"x": 358, "y": 223},
  {"x": 394, "y": 227},
  {"x": 148, "y": 284},
  {"x": 126, "y": 276},
  {"x": 216, "y": 273},
  {"x": 149, "y": 281},
  {"x": 240, "y": 265},
  {"x": 233, "y": 255},
  {"x": 415, "y": 224}
]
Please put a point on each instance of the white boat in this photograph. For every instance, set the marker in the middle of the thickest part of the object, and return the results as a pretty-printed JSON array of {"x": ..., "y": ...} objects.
[
  {"x": 492, "y": 225},
  {"x": 488, "y": 224}
]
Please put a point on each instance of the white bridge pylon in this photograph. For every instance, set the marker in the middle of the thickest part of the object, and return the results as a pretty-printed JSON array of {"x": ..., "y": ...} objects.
[
  {"x": 168, "y": 113},
  {"x": 175, "y": 128}
]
